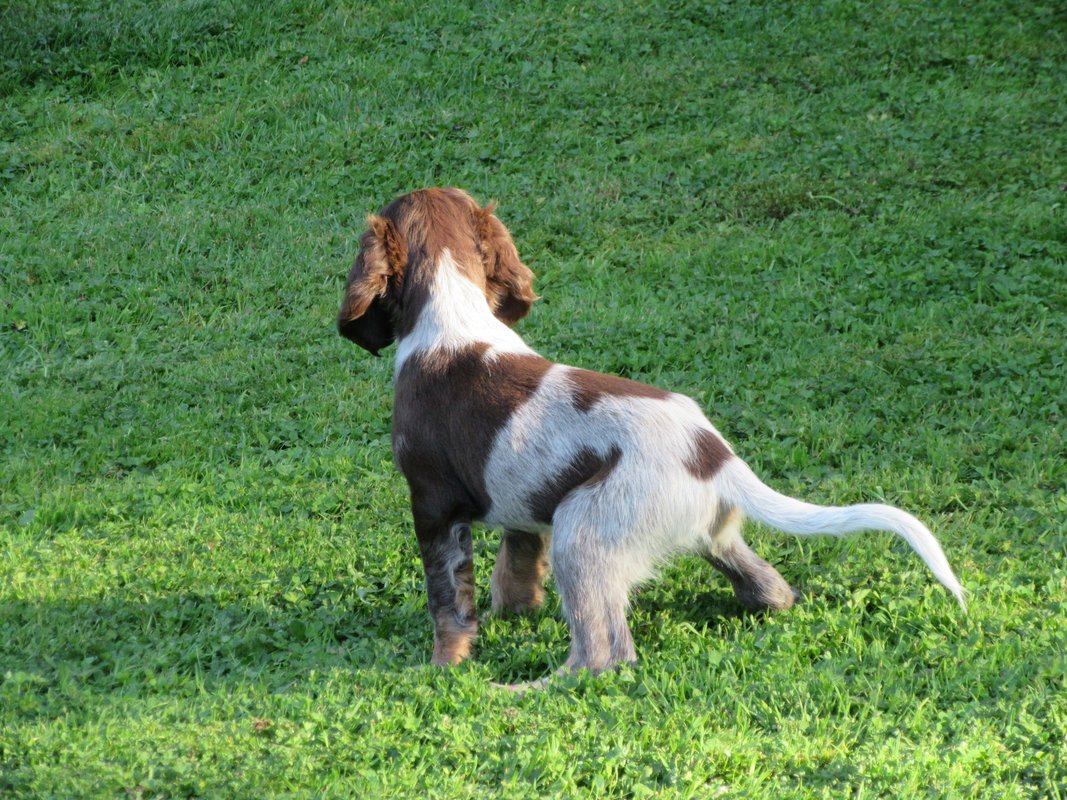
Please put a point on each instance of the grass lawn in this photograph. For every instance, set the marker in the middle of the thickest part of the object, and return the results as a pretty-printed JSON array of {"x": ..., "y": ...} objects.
[{"x": 840, "y": 226}]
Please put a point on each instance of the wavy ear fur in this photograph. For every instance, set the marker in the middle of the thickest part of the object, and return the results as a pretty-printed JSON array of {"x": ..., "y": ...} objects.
[
  {"x": 365, "y": 315},
  {"x": 509, "y": 282}
]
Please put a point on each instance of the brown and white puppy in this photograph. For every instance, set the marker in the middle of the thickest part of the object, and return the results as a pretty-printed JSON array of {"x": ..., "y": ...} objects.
[{"x": 613, "y": 476}]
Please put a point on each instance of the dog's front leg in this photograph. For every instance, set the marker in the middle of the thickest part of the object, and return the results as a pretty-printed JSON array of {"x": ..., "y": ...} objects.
[{"x": 445, "y": 545}]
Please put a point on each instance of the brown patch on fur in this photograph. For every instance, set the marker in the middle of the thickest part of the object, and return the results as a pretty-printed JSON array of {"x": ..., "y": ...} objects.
[
  {"x": 709, "y": 454},
  {"x": 386, "y": 237},
  {"x": 587, "y": 469},
  {"x": 590, "y": 387},
  {"x": 448, "y": 410},
  {"x": 521, "y": 566},
  {"x": 431, "y": 221}
]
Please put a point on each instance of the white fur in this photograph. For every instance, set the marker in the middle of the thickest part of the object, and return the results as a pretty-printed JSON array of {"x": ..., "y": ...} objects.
[
  {"x": 650, "y": 505},
  {"x": 456, "y": 315},
  {"x": 740, "y": 487}
]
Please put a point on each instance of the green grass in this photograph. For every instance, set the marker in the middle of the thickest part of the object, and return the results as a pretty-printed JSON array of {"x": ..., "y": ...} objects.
[{"x": 839, "y": 226}]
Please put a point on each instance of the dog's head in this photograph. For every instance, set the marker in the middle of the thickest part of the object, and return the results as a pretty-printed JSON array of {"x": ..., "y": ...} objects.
[{"x": 402, "y": 246}]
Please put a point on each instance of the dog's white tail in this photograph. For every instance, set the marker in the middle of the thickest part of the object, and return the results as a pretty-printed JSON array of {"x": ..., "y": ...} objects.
[{"x": 739, "y": 486}]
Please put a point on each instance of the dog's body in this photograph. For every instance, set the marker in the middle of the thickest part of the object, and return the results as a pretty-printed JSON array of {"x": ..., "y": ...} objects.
[{"x": 614, "y": 475}]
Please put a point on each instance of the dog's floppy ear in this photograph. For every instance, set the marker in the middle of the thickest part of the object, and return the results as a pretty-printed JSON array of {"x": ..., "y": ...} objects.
[
  {"x": 365, "y": 316},
  {"x": 509, "y": 282}
]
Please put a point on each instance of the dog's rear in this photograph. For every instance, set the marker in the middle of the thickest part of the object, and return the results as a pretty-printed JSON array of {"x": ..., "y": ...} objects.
[{"x": 614, "y": 476}]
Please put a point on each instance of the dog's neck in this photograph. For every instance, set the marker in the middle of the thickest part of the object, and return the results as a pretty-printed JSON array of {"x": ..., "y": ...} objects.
[{"x": 456, "y": 316}]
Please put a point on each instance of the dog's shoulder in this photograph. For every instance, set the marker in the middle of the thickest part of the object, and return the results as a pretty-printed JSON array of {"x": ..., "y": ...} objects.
[
  {"x": 590, "y": 387},
  {"x": 474, "y": 371}
]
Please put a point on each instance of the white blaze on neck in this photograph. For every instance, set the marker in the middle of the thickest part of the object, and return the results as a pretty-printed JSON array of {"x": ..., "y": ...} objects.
[{"x": 456, "y": 316}]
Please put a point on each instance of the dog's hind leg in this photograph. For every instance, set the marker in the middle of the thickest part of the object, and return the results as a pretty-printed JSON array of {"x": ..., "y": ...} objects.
[
  {"x": 520, "y": 570},
  {"x": 594, "y": 582},
  {"x": 756, "y": 583},
  {"x": 446, "y": 551}
]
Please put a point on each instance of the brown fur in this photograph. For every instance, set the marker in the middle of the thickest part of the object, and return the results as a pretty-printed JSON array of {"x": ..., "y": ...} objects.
[
  {"x": 452, "y": 640},
  {"x": 509, "y": 283},
  {"x": 366, "y": 315},
  {"x": 709, "y": 454},
  {"x": 587, "y": 469},
  {"x": 446, "y": 550},
  {"x": 520, "y": 569},
  {"x": 592, "y": 386},
  {"x": 446, "y": 415}
]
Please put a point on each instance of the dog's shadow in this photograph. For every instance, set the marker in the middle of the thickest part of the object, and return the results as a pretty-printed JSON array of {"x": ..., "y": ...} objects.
[
  {"x": 68, "y": 651},
  {"x": 79, "y": 652}
]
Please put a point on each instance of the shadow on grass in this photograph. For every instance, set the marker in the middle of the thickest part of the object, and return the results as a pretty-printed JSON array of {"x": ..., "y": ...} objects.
[
  {"x": 527, "y": 648},
  {"x": 55, "y": 654},
  {"x": 61, "y": 43},
  {"x": 705, "y": 606}
]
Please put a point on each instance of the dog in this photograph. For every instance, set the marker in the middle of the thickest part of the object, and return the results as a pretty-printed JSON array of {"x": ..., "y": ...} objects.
[{"x": 613, "y": 476}]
